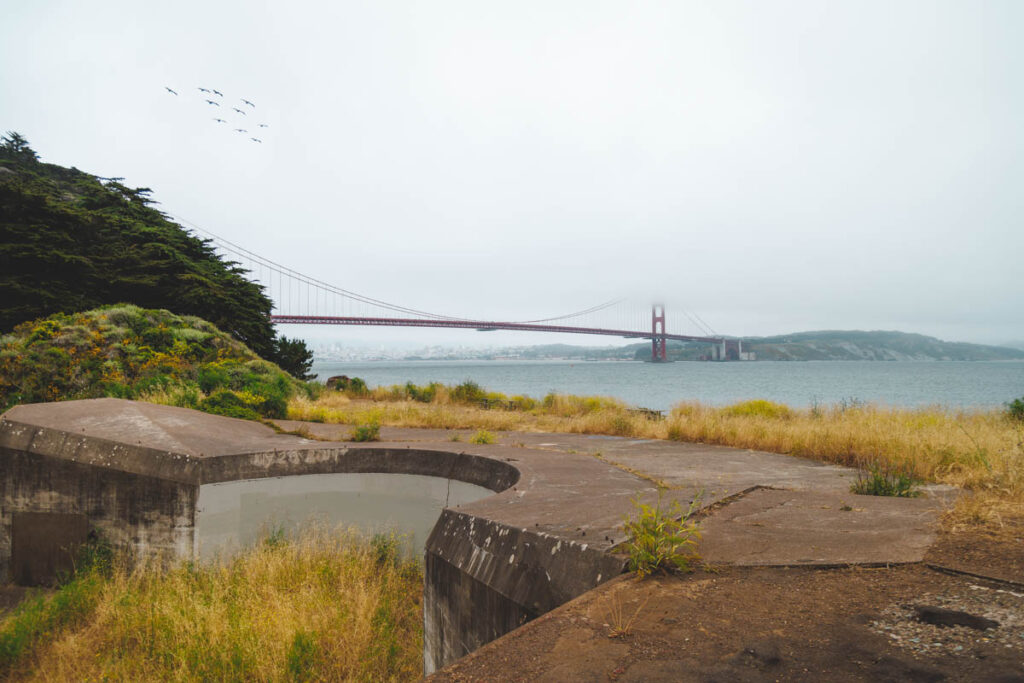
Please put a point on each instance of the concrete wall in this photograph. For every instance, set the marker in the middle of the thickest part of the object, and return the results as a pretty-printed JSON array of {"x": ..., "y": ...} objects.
[
  {"x": 146, "y": 514},
  {"x": 484, "y": 578}
]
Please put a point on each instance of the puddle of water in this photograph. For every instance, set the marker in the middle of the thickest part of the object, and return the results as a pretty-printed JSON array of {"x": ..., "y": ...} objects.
[{"x": 232, "y": 515}]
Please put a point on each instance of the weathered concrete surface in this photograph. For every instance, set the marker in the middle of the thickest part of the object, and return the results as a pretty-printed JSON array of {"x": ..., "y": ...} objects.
[
  {"x": 775, "y": 527},
  {"x": 545, "y": 537}
]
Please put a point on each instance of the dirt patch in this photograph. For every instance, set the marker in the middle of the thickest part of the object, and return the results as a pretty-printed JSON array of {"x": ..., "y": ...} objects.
[
  {"x": 760, "y": 624},
  {"x": 995, "y": 551}
]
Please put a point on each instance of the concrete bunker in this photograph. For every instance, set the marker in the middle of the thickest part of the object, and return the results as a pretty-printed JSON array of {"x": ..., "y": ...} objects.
[{"x": 134, "y": 472}]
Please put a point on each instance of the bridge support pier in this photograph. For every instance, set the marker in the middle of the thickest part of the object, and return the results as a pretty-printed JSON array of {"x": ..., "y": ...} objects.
[{"x": 659, "y": 352}]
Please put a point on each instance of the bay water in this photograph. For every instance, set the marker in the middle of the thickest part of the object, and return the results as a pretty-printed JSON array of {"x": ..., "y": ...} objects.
[{"x": 658, "y": 386}]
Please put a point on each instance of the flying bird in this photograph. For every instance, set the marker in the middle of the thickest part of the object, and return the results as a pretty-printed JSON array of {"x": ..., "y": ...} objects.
[
  {"x": 257, "y": 140},
  {"x": 220, "y": 120},
  {"x": 216, "y": 104},
  {"x": 169, "y": 90},
  {"x": 239, "y": 111},
  {"x": 241, "y": 130},
  {"x": 263, "y": 125},
  {"x": 203, "y": 90},
  {"x": 248, "y": 102},
  {"x": 218, "y": 93}
]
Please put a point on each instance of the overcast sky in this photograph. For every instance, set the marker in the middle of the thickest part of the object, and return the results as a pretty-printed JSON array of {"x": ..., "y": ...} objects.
[{"x": 772, "y": 166}]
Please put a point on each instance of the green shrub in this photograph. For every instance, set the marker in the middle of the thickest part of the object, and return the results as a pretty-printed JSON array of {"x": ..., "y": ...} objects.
[
  {"x": 1015, "y": 409},
  {"x": 879, "y": 480},
  {"x": 662, "y": 540},
  {"x": 467, "y": 392},
  {"x": 228, "y": 404},
  {"x": 483, "y": 436},
  {"x": 366, "y": 432}
]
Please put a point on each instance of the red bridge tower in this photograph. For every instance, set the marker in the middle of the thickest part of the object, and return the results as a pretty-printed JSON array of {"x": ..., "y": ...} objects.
[{"x": 658, "y": 341}]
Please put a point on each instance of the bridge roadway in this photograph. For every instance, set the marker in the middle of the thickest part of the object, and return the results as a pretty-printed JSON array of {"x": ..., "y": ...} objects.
[{"x": 484, "y": 326}]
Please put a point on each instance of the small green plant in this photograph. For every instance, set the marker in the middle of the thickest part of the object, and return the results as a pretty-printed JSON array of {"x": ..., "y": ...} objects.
[
  {"x": 366, "y": 432},
  {"x": 662, "y": 540},
  {"x": 881, "y": 480},
  {"x": 1015, "y": 409},
  {"x": 483, "y": 436}
]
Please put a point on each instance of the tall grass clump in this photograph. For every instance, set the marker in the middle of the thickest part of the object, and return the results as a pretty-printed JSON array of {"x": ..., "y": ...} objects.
[
  {"x": 878, "y": 480},
  {"x": 316, "y": 607}
]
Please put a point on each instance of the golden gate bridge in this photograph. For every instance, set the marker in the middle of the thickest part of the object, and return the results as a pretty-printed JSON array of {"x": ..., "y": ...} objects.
[{"x": 304, "y": 300}]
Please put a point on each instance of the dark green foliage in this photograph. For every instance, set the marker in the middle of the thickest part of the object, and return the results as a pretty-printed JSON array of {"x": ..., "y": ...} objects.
[
  {"x": 293, "y": 357},
  {"x": 128, "y": 352},
  {"x": 881, "y": 480},
  {"x": 70, "y": 241},
  {"x": 1015, "y": 409}
]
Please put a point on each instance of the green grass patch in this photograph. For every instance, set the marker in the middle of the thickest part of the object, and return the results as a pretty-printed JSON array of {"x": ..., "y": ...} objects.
[{"x": 880, "y": 480}]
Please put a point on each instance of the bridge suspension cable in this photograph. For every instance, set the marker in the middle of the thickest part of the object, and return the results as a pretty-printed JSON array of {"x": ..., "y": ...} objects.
[{"x": 298, "y": 297}]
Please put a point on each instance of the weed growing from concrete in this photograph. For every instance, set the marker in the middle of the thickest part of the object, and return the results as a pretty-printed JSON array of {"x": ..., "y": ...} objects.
[
  {"x": 483, "y": 436},
  {"x": 886, "y": 481},
  {"x": 662, "y": 540},
  {"x": 619, "y": 626},
  {"x": 366, "y": 432}
]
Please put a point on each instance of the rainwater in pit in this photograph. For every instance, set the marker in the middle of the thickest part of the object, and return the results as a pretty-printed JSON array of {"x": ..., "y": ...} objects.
[{"x": 234, "y": 515}]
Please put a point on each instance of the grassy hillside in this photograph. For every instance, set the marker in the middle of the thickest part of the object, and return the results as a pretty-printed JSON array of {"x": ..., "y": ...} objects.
[
  {"x": 129, "y": 352},
  {"x": 71, "y": 241},
  {"x": 875, "y": 345}
]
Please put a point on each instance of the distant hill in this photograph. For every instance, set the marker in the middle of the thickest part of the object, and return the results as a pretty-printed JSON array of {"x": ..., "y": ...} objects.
[
  {"x": 875, "y": 345},
  {"x": 820, "y": 345}
]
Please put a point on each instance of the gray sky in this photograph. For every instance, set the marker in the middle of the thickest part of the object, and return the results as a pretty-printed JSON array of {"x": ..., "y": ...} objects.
[{"x": 773, "y": 166}]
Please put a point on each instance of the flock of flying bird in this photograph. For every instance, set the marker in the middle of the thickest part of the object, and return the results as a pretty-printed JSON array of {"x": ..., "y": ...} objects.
[{"x": 213, "y": 92}]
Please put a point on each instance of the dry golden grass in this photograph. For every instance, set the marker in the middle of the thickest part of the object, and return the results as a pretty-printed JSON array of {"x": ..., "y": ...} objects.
[
  {"x": 322, "y": 607},
  {"x": 982, "y": 451}
]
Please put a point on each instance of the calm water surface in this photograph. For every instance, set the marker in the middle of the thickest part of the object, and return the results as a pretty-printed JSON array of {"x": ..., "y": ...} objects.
[
  {"x": 235, "y": 514},
  {"x": 898, "y": 383}
]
